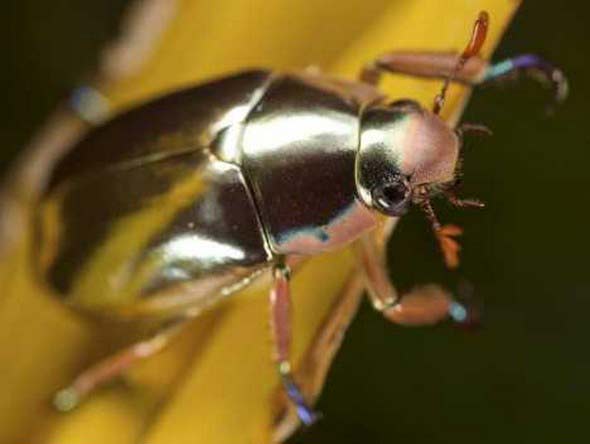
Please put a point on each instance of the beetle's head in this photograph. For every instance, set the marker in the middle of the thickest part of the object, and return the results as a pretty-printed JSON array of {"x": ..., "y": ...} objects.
[{"x": 405, "y": 154}]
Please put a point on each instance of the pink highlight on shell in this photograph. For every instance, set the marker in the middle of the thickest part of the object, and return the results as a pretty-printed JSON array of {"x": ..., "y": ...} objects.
[{"x": 344, "y": 229}]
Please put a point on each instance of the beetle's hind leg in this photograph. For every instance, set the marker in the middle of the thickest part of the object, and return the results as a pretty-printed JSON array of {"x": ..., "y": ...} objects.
[
  {"x": 280, "y": 308},
  {"x": 114, "y": 366}
]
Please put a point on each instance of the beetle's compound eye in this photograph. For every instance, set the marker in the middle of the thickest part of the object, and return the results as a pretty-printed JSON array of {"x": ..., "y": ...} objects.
[{"x": 393, "y": 197}]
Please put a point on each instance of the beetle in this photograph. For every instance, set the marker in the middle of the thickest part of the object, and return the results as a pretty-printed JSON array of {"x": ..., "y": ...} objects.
[{"x": 257, "y": 169}]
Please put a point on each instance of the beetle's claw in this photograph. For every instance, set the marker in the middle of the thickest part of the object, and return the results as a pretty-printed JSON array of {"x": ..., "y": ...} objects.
[
  {"x": 477, "y": 129},
  {"x": 466, "y": 310},
  {"x": 561, "y": 85},
  {"x": 536, "y": 67}
]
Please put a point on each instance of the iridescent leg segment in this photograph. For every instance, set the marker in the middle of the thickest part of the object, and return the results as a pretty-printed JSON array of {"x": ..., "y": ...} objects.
[
  {"x": 475, "y": 72},
  {"x": 314, "y": 367},
  {"x": 280, "y": 302},
  {"x": 305, "y": 414},
  {"x": 90, "y": 105},
  {"x": 533, "y": 65}
]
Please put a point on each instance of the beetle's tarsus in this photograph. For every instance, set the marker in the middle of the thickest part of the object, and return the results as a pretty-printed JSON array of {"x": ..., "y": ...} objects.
[
  {"x": 280, "y": 303},
  {"x": 458, "y": 312},
  {"x": 534, "y": 66},
  {"x": 465, "y": 316},
  {"x": 305, "y": 413},
  {"x": 465, "y": 311},
  {"x": 314, "y": 366},
  {"x": 90, "y": 104},
  {"x": 66, "y": 400}
]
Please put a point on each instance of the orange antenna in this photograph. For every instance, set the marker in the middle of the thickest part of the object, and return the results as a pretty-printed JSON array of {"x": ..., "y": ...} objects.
[{"x": 478, "y": 37}]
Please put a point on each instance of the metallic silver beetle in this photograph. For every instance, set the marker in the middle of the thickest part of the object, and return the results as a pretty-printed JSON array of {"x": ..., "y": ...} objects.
[{"x": 240, "y": 175}]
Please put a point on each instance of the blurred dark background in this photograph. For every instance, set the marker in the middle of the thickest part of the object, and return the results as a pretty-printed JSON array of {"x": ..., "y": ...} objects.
[{"x": 523, "y": 377}]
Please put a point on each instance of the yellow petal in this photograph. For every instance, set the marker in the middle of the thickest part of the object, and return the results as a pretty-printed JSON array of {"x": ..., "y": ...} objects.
[{"x": 220, "y": 368}]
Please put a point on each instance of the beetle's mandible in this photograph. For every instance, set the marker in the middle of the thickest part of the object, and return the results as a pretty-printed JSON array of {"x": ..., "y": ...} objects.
[{"x": 240, "y": 176}]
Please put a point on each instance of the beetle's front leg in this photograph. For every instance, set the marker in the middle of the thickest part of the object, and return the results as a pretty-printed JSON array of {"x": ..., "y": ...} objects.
[
  {"x": 428, "y": 65},
  {"x": 423, "y": 305},
  {"x": 280, "y": 304},
  {"x": 382, "y": 293},
  {"x": 439, "y": 65}
]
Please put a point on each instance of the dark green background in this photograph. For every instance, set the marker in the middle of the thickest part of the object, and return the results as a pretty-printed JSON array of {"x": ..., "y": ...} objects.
[{"x": 525, "y": 376}]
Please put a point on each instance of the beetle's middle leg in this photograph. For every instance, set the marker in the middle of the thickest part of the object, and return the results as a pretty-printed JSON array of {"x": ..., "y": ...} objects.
[
  {"x": 424, "y": 305},
  {"x": 280, "y": 307},
  {"x": 476, "y": 71},
  {"x": 313, "y": 369},
  {"x": 114, "y": 366}
]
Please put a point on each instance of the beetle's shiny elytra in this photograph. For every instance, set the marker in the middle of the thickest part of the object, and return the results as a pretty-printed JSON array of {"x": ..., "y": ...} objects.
[
  {"x": 268, "y": 170},
  {"x": 171, "y": 206}
]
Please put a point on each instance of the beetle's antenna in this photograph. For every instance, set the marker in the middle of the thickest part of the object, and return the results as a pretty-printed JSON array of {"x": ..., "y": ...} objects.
[
  {"x": 478, "y": 37},
  {"x": 445, "y": 234}
]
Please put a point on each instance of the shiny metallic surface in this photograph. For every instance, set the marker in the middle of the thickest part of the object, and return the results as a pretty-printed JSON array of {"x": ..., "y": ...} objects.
[
  {"x": 175, "y": 123},
  {"x": 173, "y": 205},
  {"x": 140, "y": 218},
  {"x": 183, "y": 229},
  {"x": 299, "y": 148}
]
